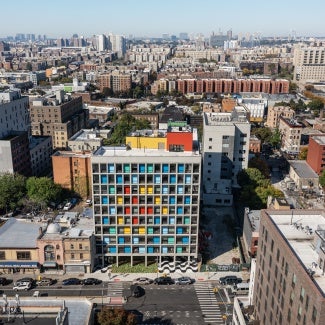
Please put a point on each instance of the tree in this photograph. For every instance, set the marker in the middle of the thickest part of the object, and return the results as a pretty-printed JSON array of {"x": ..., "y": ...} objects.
[
  {"x": 42, "y": 190},
  {"x": 316, "y": 104},
  {"x": 261, "y": 165},
  {"x": 13, "y": 190},
  {"x": 322, "y": 178},
  {"x": 303, "y": 153},
  {"x": 275, "y": 138},
  {"x": 264, "y": 134},
  {"x": 116, "y": 316}
]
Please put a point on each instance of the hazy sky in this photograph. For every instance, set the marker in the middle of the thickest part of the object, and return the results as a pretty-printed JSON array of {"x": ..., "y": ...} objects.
[{"x": 62, "y": 18}]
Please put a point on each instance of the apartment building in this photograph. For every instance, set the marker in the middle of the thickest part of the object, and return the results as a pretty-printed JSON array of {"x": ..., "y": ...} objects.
[
  {"x": 289, "y": 280},
  {"x": 290, "y": 131},
  {"x": 116, "y": 81},
  {"x": 275, "y": 112},
  {"x": 309, "y": 63},
  {"x": 58, "y": 116},
  {"x": 225, "y": 153},
  {"x": 72, "y": 170},
  {"x": 316, "y": 153},
  {"x": 146, "y": 201},
  {"x": 228, "y": 86}
]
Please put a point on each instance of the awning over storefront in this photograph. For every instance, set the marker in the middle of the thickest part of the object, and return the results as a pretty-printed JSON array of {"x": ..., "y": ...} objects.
[
  {"x": 18, "y": 264},
  {"x": 49, "y": 264}
]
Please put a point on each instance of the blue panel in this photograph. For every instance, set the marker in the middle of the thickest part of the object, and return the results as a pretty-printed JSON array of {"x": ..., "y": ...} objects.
[
  {"x": 181, "y": 168},
  {"x": 165, "y": 230},
  {"x": 142, "y": 168},
  {"x": 157, "y": 179},
  {"x": 187, "y": 200},
  {"x": 150, "y": 250},
  {"x": 104, "y": 200},
  {"x": 179, "y": 210},
  {"x": 165, "y": 189},
  {"x": 127, "y": 249},
  {"x": 187, "y": 179},
  {"x": 106, "y": 240},
  {"x": 134, "y": 179},
  {"x": 185, "y": 240},
  {"x": 156, "y": 240},
  {"x": 142, "y": 250},
  {"x": 119, "y": 179},
  {"x": 172, "y": 200},
  {"x": 103, "y": 179},
  {"x": 157, "y": 220},
  {"x": 172, "y": 220},
  {"x": 165, "y": 168},
  {"x": 135, "y": 240},
  {"x": 180, "y": 189},
  {"x": 105, "y": 220},
  {"x": 121, "y": 240},
  {"x": 179, "y": 230},
  {"x": 112, "y": 250},
  {"x": 112, "y": 210},
  {"x": 111, "y": 168},
  {"x": 164, "y": 250},
  {"x": 172, "y": 179}
]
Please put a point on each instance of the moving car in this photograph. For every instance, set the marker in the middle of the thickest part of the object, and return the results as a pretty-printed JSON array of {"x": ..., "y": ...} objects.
[
  {"x": 163, "y": 280},
  {"x": 137, "y": 291},
  {"x": 3, "y": 281},
  {"x": 230, "y": 279},
  {"x": 184, "y": 280},
  {"x": 91, "y": 281},
  {"x": 22, "y": 286},
  {"x": 71, "y": 281},
  {"x": 45, "y": 282},
  {"x": 142, "y": 280}
]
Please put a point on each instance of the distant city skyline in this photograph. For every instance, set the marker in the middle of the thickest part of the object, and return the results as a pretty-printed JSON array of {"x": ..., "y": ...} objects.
[{"x": 146, "y": 18}]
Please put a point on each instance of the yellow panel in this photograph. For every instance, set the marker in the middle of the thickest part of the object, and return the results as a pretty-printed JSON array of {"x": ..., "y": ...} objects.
[
  {"x": 157, "y": 200},
  {"x": 120, "y": 221},
  {"x": 149, "y": 189},
  {"x": 145, "y": 142},
  {"x": 164, "y": 210},
  {"x": 142, "y": 230},
  {"x": 142, "y": 190},
  {"x": 119, "y": 200},
  {"x": 127, "y": 230}
]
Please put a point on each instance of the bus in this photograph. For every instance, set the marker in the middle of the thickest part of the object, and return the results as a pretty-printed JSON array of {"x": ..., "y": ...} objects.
[{"x": 240, "y": 289}]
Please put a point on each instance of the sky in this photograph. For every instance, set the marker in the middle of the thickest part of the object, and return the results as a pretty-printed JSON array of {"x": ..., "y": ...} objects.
[{"x": 152, "y": 18}]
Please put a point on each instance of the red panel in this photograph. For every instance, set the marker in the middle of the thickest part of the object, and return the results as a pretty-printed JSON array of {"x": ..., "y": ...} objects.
[
  {"x": 135, "y": 200},
  {"x": 135, "y": 220},
  {"x": 127, "y": 190}
]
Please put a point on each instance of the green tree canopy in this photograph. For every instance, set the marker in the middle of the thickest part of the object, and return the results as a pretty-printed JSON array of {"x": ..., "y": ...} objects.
[
  {"x": 42, "y": 190},
  {"x": 12, "y": 189},
  {"x": 261, "y": 165},
  {"x": 316, "y": 104},
  {"x": 303, "y": 153},
  {"x": 322, "y": 178},
  {"x": 263, "y": 133},
  {"x": 116, "y": 316}
]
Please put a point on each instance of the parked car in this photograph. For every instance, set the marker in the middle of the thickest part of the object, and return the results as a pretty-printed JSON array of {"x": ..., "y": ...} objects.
[
  {"x": 91, "y": 281},
  {"x": 230, "y": 279},
  {"x": 22, "y": 286},
  {"x": 184, "y": 280},
  {"x": 25, "y": 280},
  {"x": 71, "y": 281},
  {"x": 45, "y": 282},
  {"x": 36, "y": 294},
  {"x": 163, "y": 280},
  {"x": 67, "y": 206},
  {"x": 137, "y": 291},
  {"x": 142, "y": 280},
  {"x": 3, "y": 281}
]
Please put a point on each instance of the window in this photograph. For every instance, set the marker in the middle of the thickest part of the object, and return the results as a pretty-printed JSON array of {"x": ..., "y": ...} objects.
[
  {"x": 210, "y": 139},
  {"x": 49, "y": 254},
  {"x": 225, "y": 137},
  {"x": 210, "y": 147},
  {"x": 294, "y": 280},
  {"x": 80, "y": 246},
  {"x": 81, "y": 256},
  {"x": 72, "y": 256},
  {"x": 314, "y": 315},
  {"x": 292, "y": 298},
  {"x": 272, "y": 245},
  {"x": 23, "y": 256},
  {"x": 307, "y": 303},
  {"x": 277, "y": 255},
  {"x": 2, "y": 255},
  {"x": 302, "y": 294},
  {"x": 71, "y": 246}
]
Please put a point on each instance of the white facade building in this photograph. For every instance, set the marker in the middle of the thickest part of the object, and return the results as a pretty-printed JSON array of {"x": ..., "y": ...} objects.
[{"x": 225, "y": 153}]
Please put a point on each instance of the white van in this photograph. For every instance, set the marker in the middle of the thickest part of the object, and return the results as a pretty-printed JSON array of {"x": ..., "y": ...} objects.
[{"x": 240, "y": 289}]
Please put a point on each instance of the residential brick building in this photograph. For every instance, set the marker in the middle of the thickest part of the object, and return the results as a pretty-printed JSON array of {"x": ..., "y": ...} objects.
[{"x": 316, "y": 153}]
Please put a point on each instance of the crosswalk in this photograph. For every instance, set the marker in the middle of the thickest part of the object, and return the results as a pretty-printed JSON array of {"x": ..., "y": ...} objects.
[
  {"x": 208, "y": 303},
  {"x": 115, "y": 289}
]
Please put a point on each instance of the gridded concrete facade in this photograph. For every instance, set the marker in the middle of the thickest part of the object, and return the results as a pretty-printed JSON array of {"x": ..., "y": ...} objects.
[
  {"x": 290, "y": 282},
  {"x": 146, "y": 204}
]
